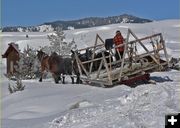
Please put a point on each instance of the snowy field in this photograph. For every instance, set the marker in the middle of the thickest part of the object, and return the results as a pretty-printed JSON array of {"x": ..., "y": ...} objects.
[{"x": 49, "y": 105}]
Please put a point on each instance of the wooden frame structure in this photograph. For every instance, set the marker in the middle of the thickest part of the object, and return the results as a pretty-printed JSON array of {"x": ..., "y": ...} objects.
[{"x": 135, "y": 60}]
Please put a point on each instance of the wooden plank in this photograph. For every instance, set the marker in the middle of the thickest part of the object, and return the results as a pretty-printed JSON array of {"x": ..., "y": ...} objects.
[
  {"x": 122, "y": 64},
  {"x": 145, "y": 38},
  {"x": 127, "y": 40},
  {"x": 77, "y": 61},
  {"x": 110, "y": 64},
  {"x": 80, "y": 63},
  {"x": 91, "y": 65},
  {"x": 107, "y": 69},
  {"x": 101, "y": 39},
  {"x": 92, "y": 60},
  {"x": 83, "y": 49},
  {"x": 98, "y": 81},
  {"x": 95, "y": 45},
  {"x": 164, "y": 48},
  {"x": 99, "y": 69}
]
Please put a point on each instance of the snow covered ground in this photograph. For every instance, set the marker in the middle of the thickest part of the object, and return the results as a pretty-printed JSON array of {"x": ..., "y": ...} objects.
[{"x": 49, "y": 105}]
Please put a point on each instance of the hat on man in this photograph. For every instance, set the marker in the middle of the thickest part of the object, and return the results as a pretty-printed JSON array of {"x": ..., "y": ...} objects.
[{"x": 118, "y": 31}]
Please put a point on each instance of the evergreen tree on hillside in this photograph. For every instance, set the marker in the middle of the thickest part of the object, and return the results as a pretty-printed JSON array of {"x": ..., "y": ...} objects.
[{"x": 58, "y": 43}]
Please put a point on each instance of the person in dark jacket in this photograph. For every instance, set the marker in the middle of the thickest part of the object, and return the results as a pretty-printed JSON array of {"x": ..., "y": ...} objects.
[{"x": 118, "y": 39}]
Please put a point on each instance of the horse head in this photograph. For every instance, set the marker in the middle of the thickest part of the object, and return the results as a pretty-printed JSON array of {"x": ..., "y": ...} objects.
[
  {"x": 40, "y": 54},
  {"x": 88, "y": 54},
  {"x": 54, "y": 54},
  {"x": 73, "y": 57}
]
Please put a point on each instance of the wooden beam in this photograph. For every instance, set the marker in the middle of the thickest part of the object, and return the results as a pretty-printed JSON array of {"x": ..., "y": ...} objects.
[
  {"x": 99, "y": 69},
  {"x": 122, "y": 64},
  {"x": 145, "y": 38},
  {"x": 77, "y": 61},
  {"x": 80, "y": 64},
  {"x": 101, "y": 39},
  {"x": 107, "y": 69},
  {"x": 127, "y": 40},
  {"x": 164, "y": 48},
  {"x": 90, "y": 47},
  {"x": 91, "y": 65},
  {"x": 92, "y": 60}
]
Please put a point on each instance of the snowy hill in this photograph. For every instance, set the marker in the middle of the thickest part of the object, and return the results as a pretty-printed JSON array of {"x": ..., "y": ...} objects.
[
  {"x": 39, "y": 28},
  {"x": 49, "y": 105},
  {"x": 80, "y": 23}
]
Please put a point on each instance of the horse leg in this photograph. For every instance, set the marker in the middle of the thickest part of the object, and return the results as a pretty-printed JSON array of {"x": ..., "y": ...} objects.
[
  {"x": 40, "y": 79},
  {"x": 56, "y": 79},
  {"x": 78, "y": 80},
  {"x": 63, "y": 79},
  {"x": 59, "y": 77},
  {"x": 72, "y": 78},
  {"x": 42, "y": 72},
  {"x": 70, "y": 74}
]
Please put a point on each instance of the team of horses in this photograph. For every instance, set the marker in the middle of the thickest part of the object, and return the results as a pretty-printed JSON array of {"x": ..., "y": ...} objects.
[
  {"x": 56, "y": 65},
  {"x": 59, "y": 66}
]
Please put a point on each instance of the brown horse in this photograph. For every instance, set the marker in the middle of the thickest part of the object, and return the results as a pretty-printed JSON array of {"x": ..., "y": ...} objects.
[
  {"x": 55, "y": 64},
  {"x": 43, "y": 58}
]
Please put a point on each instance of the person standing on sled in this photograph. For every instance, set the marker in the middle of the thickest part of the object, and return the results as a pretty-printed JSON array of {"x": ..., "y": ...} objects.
[{"x": 118, "y": 39}]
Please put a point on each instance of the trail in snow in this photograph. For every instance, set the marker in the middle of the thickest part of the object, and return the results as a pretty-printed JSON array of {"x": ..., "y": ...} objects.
[{"x": 143, "y": 106}]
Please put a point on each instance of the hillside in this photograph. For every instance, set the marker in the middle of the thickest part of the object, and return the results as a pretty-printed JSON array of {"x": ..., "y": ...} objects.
[{"x": 76, "y": 24}]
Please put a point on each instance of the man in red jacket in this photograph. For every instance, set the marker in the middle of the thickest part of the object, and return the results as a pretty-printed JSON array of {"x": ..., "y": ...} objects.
[{"x": 118, "y": 39}]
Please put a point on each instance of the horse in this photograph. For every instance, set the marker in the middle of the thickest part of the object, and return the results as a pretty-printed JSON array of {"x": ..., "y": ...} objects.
[
  {"x": 60, "y": 66},
  {"x": 44, "y": 60},
  {"x": 88, "y": 56},
  {"x": 98, "y": 62},
  {"x": 57, "y": 65},
  {"x": 83, "y": 57}
]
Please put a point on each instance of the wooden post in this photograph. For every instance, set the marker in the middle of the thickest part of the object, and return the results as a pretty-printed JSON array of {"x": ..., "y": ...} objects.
[
  {"x": 127, "y": 40},
  {"x": 95, "y": 46},
  {"x": 77, "y": 61},
  {"x": 108, "y": 72},
  {"x": 125, "y": 51},
  {"x": 164, "y": 47},
  {"x": 110, "y": 64},
  {"x": 91, "y": 65},
  {"x": 101, "y": 39},
  {"x": 99, "y": 69},
  {"x": 122, "y": 63},
  {"x": 80, "y": 64}
]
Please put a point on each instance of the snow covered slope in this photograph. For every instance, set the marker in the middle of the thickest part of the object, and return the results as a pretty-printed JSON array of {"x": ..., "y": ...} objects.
[
  {"x": 49, "y": 105},
  {"x": 86, "y": 37}
]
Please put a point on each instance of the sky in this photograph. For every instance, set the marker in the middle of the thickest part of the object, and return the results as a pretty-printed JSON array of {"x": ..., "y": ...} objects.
[{"x": 36, "y": 12}]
